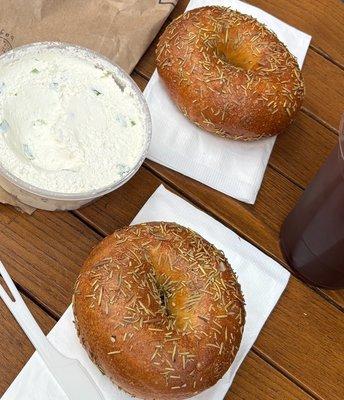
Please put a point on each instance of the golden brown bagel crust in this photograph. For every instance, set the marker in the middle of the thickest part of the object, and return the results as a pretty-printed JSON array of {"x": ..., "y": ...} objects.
[
  {"x": 159, "y": 310},
  {"x": 229, "y": 74}
]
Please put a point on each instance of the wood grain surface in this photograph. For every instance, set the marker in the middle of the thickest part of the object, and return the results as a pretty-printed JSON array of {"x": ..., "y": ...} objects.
[
  {"x": 256, "y": 377},
  {"x": 43, "y": 253},
  {"x": 15, "y": 348},
  {"x": 322, "y": 19},
  {"x": 299, "y": 353}
]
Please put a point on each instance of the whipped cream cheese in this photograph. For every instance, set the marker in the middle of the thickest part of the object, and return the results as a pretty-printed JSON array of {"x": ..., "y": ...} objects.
[{"x": 67, "y": 123}]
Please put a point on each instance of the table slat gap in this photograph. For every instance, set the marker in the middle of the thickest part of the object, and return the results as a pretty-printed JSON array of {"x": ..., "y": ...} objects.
[
  {"x": 320, "y": 120},
  {"x": 286, "y": 374},
  {"x": 328, "y": 57},
  {"x": 88, "y": 222}
]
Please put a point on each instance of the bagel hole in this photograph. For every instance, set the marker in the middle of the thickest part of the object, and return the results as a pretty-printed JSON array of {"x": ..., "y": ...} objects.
[
  {"x": 235, "y": 57},
  {"x": 228, "y": 58},
  {"x": 164, "y": 301},
  {"x": 222, "y": 56}
]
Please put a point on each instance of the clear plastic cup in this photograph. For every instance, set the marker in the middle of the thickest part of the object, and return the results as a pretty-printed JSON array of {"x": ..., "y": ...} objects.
[
  {"x": 312, "y": 236},
  {"x": 341, "y": 144},
  {"x": 49, "y": 200}
]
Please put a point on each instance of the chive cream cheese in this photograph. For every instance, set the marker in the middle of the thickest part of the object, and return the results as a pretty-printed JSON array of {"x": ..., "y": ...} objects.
[{"x": 67, "y": 124}]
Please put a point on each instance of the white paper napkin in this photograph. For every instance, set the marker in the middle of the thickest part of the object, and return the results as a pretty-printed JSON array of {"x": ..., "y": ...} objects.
[
  {"x": 262, "y": 281},
  {"x": 234, "y": 168}
]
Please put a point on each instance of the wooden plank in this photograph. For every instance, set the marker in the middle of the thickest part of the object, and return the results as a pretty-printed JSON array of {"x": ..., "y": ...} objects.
[
  {"x": 7, "y": 214},
  {"x": 240, "y": 216},
  {"x": 106, "y": 216},
  {"x": 43, "y": 253},
  {"x": 322, "y": 80},
  {"x": 259, "y": 223},
  {"x": 300, "y": 332},
  {"x": 15, "y": 348},
  {"x": 322, "y": 19},
  {"x": 255, "y": 377},
  {"x": 118, "y": 208},
  {"x": 302, "y": 149}
]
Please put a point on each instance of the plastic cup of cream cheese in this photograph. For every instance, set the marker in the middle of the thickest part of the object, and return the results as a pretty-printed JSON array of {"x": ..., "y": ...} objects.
[{"x": 73, "y": 125}]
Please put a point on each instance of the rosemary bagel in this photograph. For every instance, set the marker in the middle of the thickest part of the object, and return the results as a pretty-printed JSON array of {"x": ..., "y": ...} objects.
[
  {"x": 229, "y": 74},
  {"x": 159, "y": 310}
]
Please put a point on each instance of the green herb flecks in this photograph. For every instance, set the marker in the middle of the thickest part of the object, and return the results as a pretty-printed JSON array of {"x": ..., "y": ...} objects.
[
  {"x": 106, "y": 74},
  {"x": 54, "y": 85},
  {"x": 39, "y": 122},
  {"x": 4, "y": 127},
  {"x": 97, "y": 92},
  {"x": 27, "y": 152},
  {"x": 123, "y": 169},
  {"x": 122, "y": 120},
  {"x": 35, "y": 71}
]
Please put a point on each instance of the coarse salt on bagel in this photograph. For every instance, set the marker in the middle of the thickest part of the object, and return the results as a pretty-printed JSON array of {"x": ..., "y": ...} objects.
[
  {"x": 229, "y": 74},
  {"x": 159, "y": 310}
]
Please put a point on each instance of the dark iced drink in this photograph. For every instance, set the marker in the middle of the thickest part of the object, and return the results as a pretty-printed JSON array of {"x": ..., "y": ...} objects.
[{"x": 312, "y": 237}]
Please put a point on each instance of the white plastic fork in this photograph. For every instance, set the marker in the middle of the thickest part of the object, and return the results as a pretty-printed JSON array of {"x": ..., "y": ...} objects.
[{"x": 71, "y": 376}]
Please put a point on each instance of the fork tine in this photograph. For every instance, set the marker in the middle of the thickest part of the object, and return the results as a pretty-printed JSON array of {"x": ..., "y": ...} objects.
[
  {"x": 10, "y": 284},
  {"x": 65, "y": 370},
  {"x": 5, "y": 297}
]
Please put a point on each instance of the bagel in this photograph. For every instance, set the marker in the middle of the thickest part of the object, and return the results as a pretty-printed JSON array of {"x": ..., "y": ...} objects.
[
  {"x": 229, "y": 74},
  {"x": 159, "y": 310}
]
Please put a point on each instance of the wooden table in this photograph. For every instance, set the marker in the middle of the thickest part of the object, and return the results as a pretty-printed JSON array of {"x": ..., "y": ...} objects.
[{"x": 299, "y": 353}]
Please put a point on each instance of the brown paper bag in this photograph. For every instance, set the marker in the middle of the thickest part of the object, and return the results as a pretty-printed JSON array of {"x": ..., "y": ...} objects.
[{"x": 119, "y": 29}]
